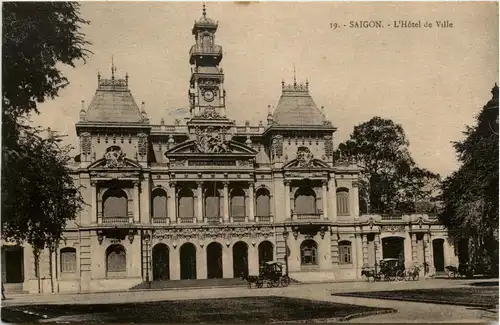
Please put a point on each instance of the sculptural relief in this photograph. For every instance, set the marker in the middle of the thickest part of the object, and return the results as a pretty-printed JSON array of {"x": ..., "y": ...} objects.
[
  {"x": 114, "y": 157},
  {"x": 208, "y": 140},
  {"x": 304, "y": 157}
]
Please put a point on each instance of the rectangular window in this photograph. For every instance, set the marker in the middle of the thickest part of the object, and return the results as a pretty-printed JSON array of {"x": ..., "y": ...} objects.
[{"x": 345, "y": 254}]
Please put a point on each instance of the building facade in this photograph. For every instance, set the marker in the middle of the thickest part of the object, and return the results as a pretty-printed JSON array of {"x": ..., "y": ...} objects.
[{"x": 207, "y": 197}]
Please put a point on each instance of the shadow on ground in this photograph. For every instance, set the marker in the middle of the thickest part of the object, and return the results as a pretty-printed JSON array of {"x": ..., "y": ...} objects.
[
  {"x": 484, "y": 284},
  {"x": 268, "y": 309},
  {"x": 481, "y": 297}
]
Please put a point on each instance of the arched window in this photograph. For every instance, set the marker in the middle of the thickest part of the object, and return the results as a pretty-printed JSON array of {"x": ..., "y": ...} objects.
[
  {"x": 159, "y": 208},
  {"x": 116, "y": 261},
  {"x": 305, "y": 201},
  {"x": 237, "y": 203},
  {"x": 343, "y": 202},
  {"x": 212, "y": 203},
  {"x": 68, "y": 260},
  {"x": 263, "y": 203},
  {"x": 185, "y": 205},
  {"x": 309, "y": 252},
  {"x": 115, "y": 203},
  {"x": 207, "y": 42},
  {"x": 345, "y": 252}
]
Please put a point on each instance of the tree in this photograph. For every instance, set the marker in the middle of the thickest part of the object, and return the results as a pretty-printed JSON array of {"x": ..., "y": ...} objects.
[
  {"x": 390, "y": 180},
  {"x": 470, "y": 194},
  {"x": 38, "y": 192}
]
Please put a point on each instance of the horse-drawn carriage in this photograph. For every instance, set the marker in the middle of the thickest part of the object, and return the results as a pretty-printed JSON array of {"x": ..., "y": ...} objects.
[
  {"x": 271, "y": 274},
  {"x": 391, "y": 269}
]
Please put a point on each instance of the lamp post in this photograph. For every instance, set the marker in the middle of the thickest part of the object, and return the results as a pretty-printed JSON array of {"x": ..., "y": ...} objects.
[
  {"x": 147, "y": 238},
  {"x": 285, "y": 236}
]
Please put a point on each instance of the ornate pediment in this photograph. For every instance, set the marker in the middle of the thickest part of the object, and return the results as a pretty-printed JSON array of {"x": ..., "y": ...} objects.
[
  {"x": 211, "y": 147},
  {"x": 311, "y": 164},
  {"x": 114, "y": 158}
]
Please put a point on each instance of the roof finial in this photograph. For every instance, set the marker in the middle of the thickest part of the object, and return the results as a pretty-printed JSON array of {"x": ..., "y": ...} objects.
[
  {"x": 113, "y": 68},
  {"x": 204, "y": 10},
  {"x": 294, "y": 78}
]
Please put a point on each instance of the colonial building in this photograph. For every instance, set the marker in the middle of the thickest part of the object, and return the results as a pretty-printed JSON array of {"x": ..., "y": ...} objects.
[{"x": 207, "y": 197}]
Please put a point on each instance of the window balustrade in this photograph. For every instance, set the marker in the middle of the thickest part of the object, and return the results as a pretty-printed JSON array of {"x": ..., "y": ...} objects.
[
  {"x": 115, "y": 220},
  {"x": 160, "y": 220}
]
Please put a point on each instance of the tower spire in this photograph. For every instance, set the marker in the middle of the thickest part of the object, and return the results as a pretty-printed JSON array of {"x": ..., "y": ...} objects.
[
  {"x": 204, "y": 10},
  {"x": 294, "y": 77},
  {"x": 113, "y": 68}
]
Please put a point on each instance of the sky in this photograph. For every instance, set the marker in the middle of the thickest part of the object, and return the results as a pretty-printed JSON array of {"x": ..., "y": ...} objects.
[{"x": 432, "y": 81}]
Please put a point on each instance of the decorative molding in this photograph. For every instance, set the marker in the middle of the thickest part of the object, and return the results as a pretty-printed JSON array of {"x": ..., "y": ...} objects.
[
  {"x": 143, "y": 144},
  {"x": 210, "y": 113},
  {"x": 328, "y": 145},
  {"x": 277, "y": 146},
  {"x": 86, "y": 143},
  {"x": 393, "y": 228}
]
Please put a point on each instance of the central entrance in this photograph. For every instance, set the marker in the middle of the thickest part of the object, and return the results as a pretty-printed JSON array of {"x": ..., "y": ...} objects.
[
  {"x": 161, "y": 269},
  {"x": 393, "y": 247},
  {"x": 240, "y": 259},
  {"x": 188, "y": 261},
  {"x": 214, "y": 261}
]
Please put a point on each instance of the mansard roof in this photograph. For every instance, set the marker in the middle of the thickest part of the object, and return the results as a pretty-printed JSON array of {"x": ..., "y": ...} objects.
[
  {"x": 297, "y": 108},
  {"x": 113, "y": 102}
]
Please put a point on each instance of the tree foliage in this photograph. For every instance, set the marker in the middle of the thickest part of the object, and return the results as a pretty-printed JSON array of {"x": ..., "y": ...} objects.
[
  {"x": 390, "y": 180},
  {"x": 470, "y": 194},
  {"x": 38, "y": 192}
]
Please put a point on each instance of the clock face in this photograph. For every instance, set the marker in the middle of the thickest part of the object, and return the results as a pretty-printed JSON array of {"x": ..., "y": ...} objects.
[{"x": 209, "y": 95}]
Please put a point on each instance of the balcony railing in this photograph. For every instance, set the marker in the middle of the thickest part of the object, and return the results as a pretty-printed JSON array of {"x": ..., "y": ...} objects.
[
  {"x": 239, "y": 219},
  {"x": 266, "y": 219},
  {"x": 186, "y": 220},
  {"x": 392, "y": 217},
  {"x": 160, "y": 220},
  {"x": 114, "y": 220},
  {"x": 213, "y": 220},
  {"x": 198, "y": 50}
]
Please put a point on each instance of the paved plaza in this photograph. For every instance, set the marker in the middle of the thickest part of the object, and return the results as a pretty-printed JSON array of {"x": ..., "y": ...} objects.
[{"x": 406, "y": 311}]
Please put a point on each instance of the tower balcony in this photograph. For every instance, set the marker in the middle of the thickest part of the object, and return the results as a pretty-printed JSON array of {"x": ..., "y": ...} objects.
[{"x": 198, "y": 51}]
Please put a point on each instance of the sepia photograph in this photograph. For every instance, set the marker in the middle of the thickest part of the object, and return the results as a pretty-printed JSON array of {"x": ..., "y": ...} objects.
[{"x": 249, "y": 162}]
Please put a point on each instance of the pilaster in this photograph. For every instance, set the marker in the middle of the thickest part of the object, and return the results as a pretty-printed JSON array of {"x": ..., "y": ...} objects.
[
  {"x": 324, "y": 200},
  {"x": 199, "y": 202}
]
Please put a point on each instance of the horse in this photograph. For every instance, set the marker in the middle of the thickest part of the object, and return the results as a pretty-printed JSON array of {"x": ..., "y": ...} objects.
[{"x": 250, "y": 279}]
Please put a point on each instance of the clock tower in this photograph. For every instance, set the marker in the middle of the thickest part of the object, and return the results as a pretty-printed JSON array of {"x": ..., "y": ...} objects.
[{"x": 206, "y": 92}]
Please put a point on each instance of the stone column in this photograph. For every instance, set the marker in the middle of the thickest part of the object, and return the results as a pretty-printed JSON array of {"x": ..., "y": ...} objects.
[
  {"x": 364, "y": 238},
  {"x": 199, "y": 202},
  {"x": 414, "y": 256},
  {"x": 324, "y": 199},
  {"x": 427, "y": 255},
  {"x": 333, "y": 200},
  {"x": 357, "y": 258},
  {"x": 93, "y": 201},
  {"x": 253, "y": 260},
  {"x": 355, "y": 199},
  {"x": 171, "y": 202},
  {"x": 287, "y": 200},
  {"x": 251, "y": 203},
  {"x": 378, "y": 250},
  {"x": 227, "y": 262},
  {"x": 137, "y": 191},
  {"x": 226, "y": 202}
]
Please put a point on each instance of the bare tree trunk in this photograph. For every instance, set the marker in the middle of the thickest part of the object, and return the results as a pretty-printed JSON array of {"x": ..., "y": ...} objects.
[
  {"x": 51, "y": 251},
  {"x": 36, "y": 254}
]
